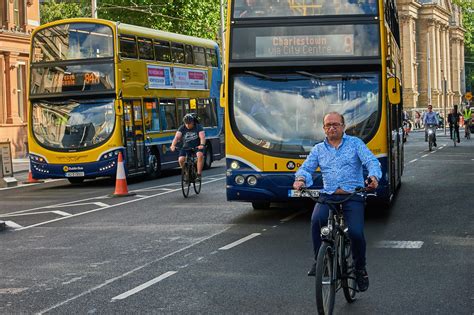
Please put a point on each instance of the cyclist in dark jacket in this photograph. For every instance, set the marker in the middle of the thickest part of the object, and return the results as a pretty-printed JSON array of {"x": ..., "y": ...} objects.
[{"x": 192, "y": 135}]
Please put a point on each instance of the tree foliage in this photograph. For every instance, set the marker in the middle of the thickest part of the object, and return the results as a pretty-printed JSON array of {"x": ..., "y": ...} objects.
[
  {"x": 468, "y": 24},
  {"x": 199, "y": 18}
]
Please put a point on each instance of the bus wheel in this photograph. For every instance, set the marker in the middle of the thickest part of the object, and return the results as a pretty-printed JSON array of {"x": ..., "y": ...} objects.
[
  {"x": 208, "y": 157},
  {"x": 154, "y": 166},
  {"x": 261, "y": 205},
  {"x": 75, "y": 180}
]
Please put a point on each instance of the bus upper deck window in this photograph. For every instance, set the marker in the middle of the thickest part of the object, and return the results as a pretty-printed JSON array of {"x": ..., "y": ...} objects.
[
  {"x": 162, "y": 50},
  {"x": 177, "y": 52},
  {"x": 128, "y": 47},
  {"x": 188, "y": 49},
  {"x": 199, "y": 56},
  {"x": 211, "y": 58},
  {"x": 145, "y": 49}
]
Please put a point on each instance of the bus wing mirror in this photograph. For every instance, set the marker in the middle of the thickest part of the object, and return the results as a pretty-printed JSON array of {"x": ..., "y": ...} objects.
[{"x": 394, "y": 91}]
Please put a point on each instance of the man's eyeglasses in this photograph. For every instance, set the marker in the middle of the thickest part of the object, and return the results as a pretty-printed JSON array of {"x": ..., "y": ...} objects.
[{"x": 334, "y": 125}]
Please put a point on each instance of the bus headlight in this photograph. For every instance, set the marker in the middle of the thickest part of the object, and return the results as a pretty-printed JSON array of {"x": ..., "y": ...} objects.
[
  {"x": 234, "y": 165},
  {"x": 252, "y": 180},
  {"x": 239, "y": 179}
]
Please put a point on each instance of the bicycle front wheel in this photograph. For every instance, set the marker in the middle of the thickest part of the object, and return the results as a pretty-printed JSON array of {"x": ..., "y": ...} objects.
[
  {"x": 325, "y": 286},
  {"x": 185, "y": 181},
  {"x": 196, "y": 182},
  {"x": 348, "y": 271}
]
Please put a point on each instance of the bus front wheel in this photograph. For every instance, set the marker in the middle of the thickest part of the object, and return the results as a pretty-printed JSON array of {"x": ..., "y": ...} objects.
[{"x": 154, "y": 166}]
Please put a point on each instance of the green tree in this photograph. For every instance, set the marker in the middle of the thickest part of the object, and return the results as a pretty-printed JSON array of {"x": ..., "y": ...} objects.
[
  {"x": 468, "y": 24},
  {"x": 53, "y": 10}
]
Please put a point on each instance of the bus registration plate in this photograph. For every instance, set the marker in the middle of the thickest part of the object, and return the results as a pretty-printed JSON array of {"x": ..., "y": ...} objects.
[
  {"x": 296, "y": 193},
  {"x": 74, "y": 174}
]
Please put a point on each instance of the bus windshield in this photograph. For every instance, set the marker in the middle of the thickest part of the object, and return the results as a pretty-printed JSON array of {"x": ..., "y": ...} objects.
[
  {"x": 284, "y": 112},
  {"x": 71, "y": 124},
  {"x": 73, "y": 41},
  {"x": 248, "y": 9}
]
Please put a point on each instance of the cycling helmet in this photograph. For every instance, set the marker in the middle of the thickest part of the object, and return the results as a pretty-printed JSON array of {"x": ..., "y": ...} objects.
[{"x": 188, "y": 118}]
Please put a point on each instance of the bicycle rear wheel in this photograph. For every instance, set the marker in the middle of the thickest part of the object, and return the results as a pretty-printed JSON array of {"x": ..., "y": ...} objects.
[
  {"x": 185, "y": 180},
  {"x": 196, "y": 182},
  {"x": 325, "y": 287},
  {"x": 348, "y": 271}
]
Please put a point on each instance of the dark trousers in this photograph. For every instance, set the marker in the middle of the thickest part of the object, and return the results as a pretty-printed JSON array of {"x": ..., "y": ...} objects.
[
  {"x": 354, "y": 217},
  {"x": 456, "y": 130}
]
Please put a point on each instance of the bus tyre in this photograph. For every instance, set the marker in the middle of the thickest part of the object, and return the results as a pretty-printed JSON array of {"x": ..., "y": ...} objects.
[
  {"x": 154, "y": 166},
  {"x": 208, "y": 157},
  {"x": 76, "y": 180},
  {"x": 261, "y": 205}
]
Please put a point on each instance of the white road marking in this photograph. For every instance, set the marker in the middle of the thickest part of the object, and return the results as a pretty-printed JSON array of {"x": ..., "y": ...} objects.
[
  {"x": 399, "y": 244},
  {"x": 62, "y": 213},
  {"x": 412, "y": 161},
  {"x": 424, "y": 155},
  {"x": 102, "y": 208},
  {"x": 242, "y": 240},
  {"x": 12, "y": 224},
  {"x": 294, "y": 215},
  {"x": 100, "y": 204},
  {"x": 30, "y": 185},
  {"x": 143, "y": 286},
  {"x": 128, "y": 273}
]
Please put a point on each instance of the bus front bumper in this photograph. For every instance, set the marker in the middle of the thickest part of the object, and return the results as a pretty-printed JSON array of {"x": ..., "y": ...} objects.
[{"x": 106, "y": 168}]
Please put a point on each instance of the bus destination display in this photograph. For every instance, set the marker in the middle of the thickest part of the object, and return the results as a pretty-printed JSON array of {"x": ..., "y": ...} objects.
[{"x": 304, "y": 46}]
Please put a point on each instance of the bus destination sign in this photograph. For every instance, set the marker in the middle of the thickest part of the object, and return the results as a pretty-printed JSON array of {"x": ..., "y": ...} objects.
[
  {"x": 305, "y": 46},
  {"x": 88, "y": 78}
]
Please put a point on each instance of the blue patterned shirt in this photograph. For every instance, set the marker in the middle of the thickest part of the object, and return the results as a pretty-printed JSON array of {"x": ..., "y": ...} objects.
[{"x": 341, "y": 167}]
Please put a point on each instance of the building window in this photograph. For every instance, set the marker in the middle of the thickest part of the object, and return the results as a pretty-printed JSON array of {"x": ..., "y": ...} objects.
[
  {"x": 19, "y": 13},
  {"x": 21, "y": 91},
  {"x": 3, "y": 12}
]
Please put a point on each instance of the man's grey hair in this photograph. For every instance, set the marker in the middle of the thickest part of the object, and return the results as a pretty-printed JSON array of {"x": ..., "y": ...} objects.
[{"x": 336, "y": 113}]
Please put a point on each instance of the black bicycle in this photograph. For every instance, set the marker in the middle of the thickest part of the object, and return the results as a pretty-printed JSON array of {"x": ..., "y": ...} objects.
[
  {"x": 334, "y": 265},
  {"x": 189, "y": 173}
]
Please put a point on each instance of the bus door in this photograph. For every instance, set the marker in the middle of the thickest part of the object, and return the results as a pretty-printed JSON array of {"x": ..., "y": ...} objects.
[
  {"x": 395, "y": 143},
  {"x": 134, "y": 136}
]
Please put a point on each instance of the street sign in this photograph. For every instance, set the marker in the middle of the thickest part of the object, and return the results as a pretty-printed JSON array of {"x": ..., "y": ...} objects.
[
  {"x": 468, "y": 96},
  {"x": 6, "y": 164}
]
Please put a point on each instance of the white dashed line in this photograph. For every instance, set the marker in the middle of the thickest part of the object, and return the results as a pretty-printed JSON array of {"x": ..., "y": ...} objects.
[
  {"x": 143, "y": 286},
  {"x": 242, "y": 240},
  {"x": 399, "y": 244},
  {"x": 61, "y": 213},
  {"x": 412, "y": 161}
]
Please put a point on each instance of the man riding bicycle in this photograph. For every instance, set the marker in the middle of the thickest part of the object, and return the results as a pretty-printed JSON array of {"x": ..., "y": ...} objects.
[
  {"x": 467, "y": 115},
  {"x": 341, "y": 159},
  {"x": 193, "y": 136},
  {"x": 430, "y": 118}
]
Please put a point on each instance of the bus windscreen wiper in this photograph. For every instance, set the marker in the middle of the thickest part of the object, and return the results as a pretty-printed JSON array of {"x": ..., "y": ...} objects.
[
  {"x": 343, "y": 77},
  {"x": 266, "y": 77}
]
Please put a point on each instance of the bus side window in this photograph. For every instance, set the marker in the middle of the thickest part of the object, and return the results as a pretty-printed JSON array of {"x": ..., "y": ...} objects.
[
  {"x": 199, "y": 56},
  {"x": 211, "y": 58},
  {"x": 204, "y": 112},
  {"x": 145, "y": 49},
  {"x": 188, "y": 50},
  {"x": 168, "y": 114},
  {"x": 128, "y": 47},
  {"x": 162, "y": 50},
  {"x": 152, "y": 121},
  {"x": 182, "y": 108},
  {"x": 177, "y": 53}
]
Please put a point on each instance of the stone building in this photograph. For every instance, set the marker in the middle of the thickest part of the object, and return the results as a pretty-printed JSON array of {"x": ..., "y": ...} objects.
[
  {"x": 432, "y": 53},
  {"x": 17, "y": 19}
]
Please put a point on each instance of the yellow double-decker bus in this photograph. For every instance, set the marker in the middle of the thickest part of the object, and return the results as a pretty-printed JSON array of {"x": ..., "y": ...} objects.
[
  {"x": 289, "y": 63},
  {"x": 99, "y": 87}
]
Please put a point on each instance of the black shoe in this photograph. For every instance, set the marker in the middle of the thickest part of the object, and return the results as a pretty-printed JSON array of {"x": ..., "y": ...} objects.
[
  {"x": 434, "y": 143},
  {"x": 459, "y": 141},
  {"x": 362, "y": 279},
  {"x": 198, "y": 176},
  {"x": 312, "y": 271}
]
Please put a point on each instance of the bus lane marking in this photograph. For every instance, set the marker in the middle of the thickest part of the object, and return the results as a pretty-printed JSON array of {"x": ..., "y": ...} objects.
[
  {"x": 12, "y": 225},
  {"x": 109, "y": 281},
  {"x": 143, "y": 286},
  {"x": 103, "y": 208},
  {"x": 238, "y": 242},
  {"x": 62, "y": 213}
]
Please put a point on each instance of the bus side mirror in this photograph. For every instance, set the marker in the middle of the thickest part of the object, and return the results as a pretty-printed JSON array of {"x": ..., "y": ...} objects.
[
  {"x": 119, "y": 108},
  {"x": 394, "y": 91}
]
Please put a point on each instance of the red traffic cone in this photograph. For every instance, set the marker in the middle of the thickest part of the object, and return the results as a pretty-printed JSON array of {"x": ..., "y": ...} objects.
[
  {"x": 30, "y": 179},
  {"x": 121, "y": 189}
]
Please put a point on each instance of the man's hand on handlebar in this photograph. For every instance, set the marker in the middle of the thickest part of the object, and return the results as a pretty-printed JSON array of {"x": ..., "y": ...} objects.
[
  {"x": 372, "y": 183},
  {"x": 298, "y": 184}
]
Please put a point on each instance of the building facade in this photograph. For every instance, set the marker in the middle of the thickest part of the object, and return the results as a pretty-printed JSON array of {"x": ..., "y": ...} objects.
[
  {"x": 432, "y": 54},
  {"x": 17, "y": 19}
]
